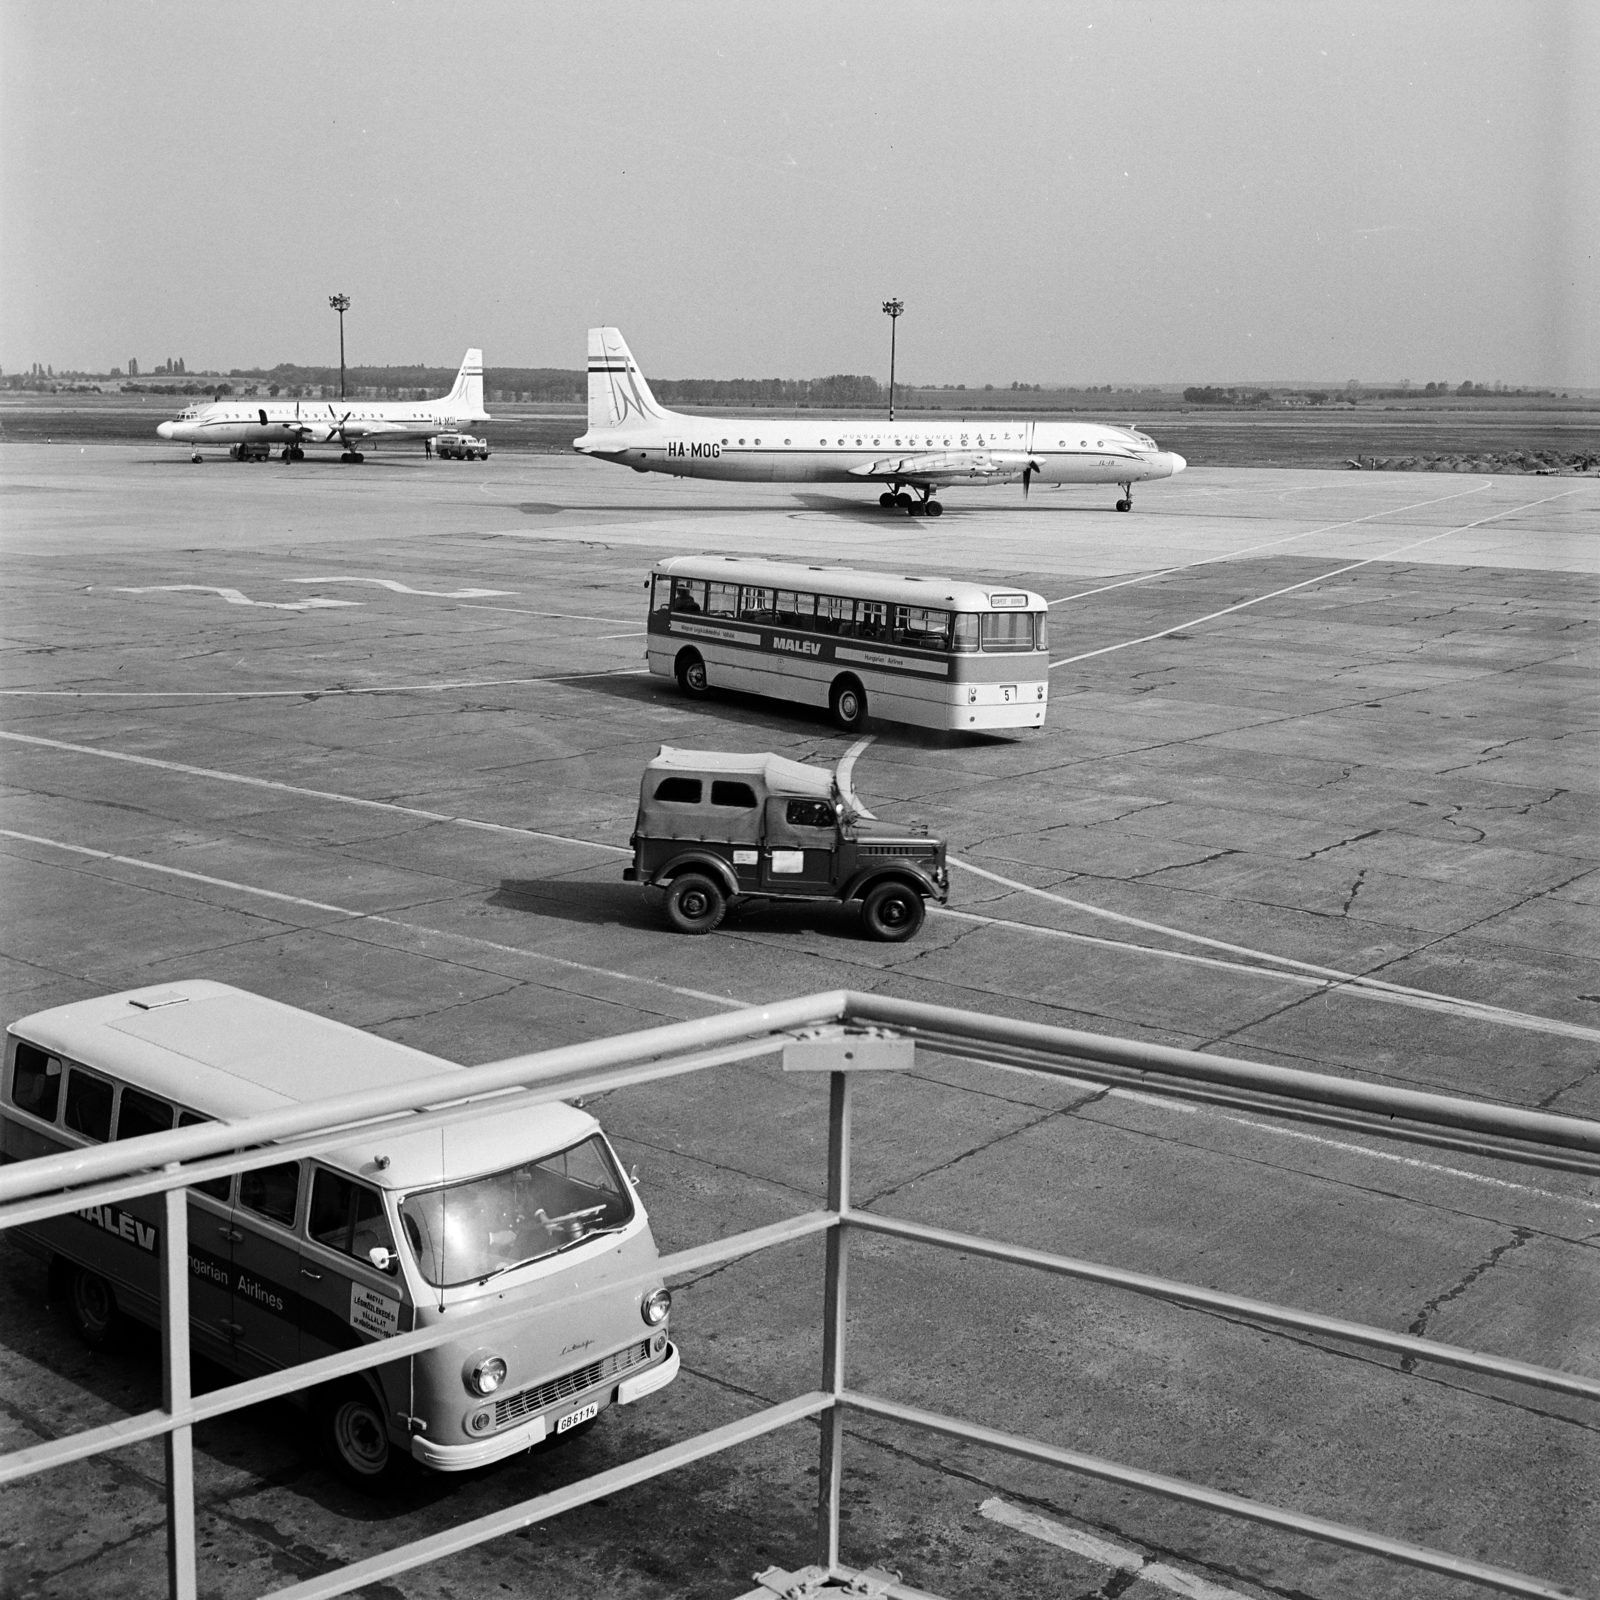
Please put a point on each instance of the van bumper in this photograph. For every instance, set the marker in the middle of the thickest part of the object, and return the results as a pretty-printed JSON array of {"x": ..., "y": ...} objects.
[{"x": 658, "y": 1377}]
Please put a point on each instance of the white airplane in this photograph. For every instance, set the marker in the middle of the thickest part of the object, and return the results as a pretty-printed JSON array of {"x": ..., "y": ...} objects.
[
  {"x": 251, "y": 428},
  {"x": 921, "y": 454}
]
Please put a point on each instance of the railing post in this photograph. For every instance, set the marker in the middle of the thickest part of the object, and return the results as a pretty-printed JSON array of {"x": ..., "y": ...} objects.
[
  {"x": 181, "y": 1579},
  {"x": 834, "y": 1309}
]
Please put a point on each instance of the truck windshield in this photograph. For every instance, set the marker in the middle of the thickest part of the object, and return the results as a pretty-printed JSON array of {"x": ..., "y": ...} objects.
[{"x": 465, "y": 1232}]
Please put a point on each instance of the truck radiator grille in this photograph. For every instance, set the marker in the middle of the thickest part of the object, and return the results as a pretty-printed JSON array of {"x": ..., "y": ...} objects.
[
  {"x": 531, "y": 1401},
  {"x": 917, "y": 852}
]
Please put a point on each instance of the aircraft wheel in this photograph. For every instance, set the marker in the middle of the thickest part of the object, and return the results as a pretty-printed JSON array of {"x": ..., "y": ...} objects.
[
  {"x": 903, "y": 500},
  {"x": 357, "y": 457},
  {"x": 694, "y": 903},
  {"x": 1124, "y": 505},
  {"x": 886, "y": 499},
  {"x": 933, "y": 509},
  {"x": 195, "y": 458},
  {"x": 848, "y": 703}
]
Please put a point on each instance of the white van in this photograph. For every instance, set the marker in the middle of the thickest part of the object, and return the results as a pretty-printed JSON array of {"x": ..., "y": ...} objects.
[{"x": 397, "y": 1230}]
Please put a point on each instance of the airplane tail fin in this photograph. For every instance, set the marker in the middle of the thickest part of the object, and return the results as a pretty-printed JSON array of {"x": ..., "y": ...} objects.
[
  {"x": 467, "y": 395},
  {"x": 619, "y": 398}
]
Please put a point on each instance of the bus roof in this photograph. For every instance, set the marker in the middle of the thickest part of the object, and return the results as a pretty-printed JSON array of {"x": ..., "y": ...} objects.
[
  {"x": 851, "y": 582},
  {"x": 230, "y": 1054}
]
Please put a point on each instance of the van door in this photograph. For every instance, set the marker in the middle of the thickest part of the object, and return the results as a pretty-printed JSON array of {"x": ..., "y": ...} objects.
[
  {"x": 345, "y": 1299},
  {"x": 266, "y": 1268},
  {"x": 798, "y": 851}
]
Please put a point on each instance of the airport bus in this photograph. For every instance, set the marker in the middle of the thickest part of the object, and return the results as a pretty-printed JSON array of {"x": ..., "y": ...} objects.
[
  {"x": 933, "y": 652},
  {"x": 393, "y": 1231}
]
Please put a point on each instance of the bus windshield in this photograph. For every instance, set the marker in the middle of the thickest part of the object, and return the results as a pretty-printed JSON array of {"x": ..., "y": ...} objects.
[{"x": 466, "y": 1232}]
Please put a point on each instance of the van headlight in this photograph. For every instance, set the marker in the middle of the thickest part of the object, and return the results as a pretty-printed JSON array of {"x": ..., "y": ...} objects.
[
  {"x": 655, "y": 1306},
  {"x": 487, "y": 1375}
]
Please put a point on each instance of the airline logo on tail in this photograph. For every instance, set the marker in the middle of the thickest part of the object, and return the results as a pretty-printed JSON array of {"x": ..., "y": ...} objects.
[
  {"x": 619, "y": 398},
  {"x": 465, "y": 400}
]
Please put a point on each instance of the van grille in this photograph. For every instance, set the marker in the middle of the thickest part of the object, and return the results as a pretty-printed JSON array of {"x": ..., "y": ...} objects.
[{"x": 531, "y": 1401}]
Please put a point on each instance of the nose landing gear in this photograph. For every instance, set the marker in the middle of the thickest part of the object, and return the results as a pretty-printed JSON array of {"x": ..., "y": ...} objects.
[{"x": 1126, "y": 502}]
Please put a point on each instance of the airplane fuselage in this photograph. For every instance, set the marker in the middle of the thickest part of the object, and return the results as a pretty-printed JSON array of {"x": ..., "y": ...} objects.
[{"x": 312, "y": 422}]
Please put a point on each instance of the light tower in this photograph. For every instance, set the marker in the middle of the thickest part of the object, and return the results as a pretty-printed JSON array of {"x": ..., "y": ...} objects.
[
  {"x": 892, "y": 310},
  {"x": 341, "y": 304}
]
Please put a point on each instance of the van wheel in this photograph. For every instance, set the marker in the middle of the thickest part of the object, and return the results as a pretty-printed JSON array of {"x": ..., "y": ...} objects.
[
  {"x": 848, "y": 703},
  {"x": 694, "y": 903},
  {"x": 692, "y": 677},
  {"x": 94, "y": 1309},
  {"x": 354, "y": 1437},
  {"x": 892, "y": 912}
]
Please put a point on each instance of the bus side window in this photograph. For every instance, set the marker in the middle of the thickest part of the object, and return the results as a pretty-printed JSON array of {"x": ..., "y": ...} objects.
[
  {"x": 140, "y": 1114},
  {"x": 271, "y": 1192},
  {"x": 89, "y": 1105},
  {"x": 755, "y": 605},
  {"x": 36, "y": 1082},
  {"x": 1041, "y": 630},
  {"x": 216, "y": 1188},
  {"x": 660, "y": 592},
  {"x": 688, "y": 594},
  {"x": 797, "y": 610},
  {"x": 347, "y": 1216},
  {"x": 872, "y": 620},
  {"x": 966, "y": 637},
  {"x": 722, "y": 600},
  {"x": 835, "y": 615}
]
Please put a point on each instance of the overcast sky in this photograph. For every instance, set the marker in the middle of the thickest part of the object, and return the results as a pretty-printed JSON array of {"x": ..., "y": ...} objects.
[{"x": 1196, "y": 191}]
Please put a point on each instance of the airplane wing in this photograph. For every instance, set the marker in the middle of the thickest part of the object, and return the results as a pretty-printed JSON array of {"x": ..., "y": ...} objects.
[{"x": 950, "y": 466}]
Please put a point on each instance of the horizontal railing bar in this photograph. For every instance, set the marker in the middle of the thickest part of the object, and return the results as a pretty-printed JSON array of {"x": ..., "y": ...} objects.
[
  {"x": 1377, "y": 1544},
  {"x": 1374, "y": 1125},
  {"x": 919, "y": 1020},
  {"x": 1190, "y": 1294},
  {"x": 454, "y": 1540},
  {"x": 308, "y": 1375},
  {"x": 19, "y": 1213},
  {"x": 23, "y": 1178}
]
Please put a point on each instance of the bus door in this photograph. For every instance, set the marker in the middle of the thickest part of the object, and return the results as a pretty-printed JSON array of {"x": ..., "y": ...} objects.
[
  {"x": 266, "y": 1268},
  {"x": 799, "y": 848},
  {"x": 346, "y": 1298}
]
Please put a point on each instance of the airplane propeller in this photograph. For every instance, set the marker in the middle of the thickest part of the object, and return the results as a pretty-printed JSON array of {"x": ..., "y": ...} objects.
[{"x": 1027, "y": 474}]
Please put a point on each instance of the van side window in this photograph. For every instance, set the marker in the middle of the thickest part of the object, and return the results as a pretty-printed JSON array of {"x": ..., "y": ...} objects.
[
  {"x": 36, "y": 1081},
  {"x": 271, "y": 1191},
  {"x": 142, "y": 1113},
  {"x": 347, "y": 1216},
  {"x": 679, "y": 791},
  {"x": 809, "y": 814},
  {"x": 217, "y": 1188},
  {"x": 725, "y": 792},
  {"x": 89, "y": 1105}
]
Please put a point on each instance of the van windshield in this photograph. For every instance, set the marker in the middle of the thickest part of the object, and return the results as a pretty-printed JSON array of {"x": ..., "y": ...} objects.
[{"x": 466, "y": 1232}]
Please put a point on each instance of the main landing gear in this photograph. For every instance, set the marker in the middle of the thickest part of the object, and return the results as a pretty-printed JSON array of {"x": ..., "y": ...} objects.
[
  {"x": 1126, "y": 502},
  {"x": 897, "y": 499},
  {"x": 353, "y": 456},
  {"x": 293, "y": 452}
]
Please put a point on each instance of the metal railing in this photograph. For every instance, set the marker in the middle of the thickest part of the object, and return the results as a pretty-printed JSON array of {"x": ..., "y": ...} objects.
[{"x": 841, "y": 1034}]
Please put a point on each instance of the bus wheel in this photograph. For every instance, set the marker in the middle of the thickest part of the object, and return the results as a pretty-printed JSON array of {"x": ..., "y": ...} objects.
[
  {"x": 94, "y": 1309},
  {"x": 848, "y": 703},
  {"x": 354, "y": 1437},
  {"x": 691, "y": 670},
  {"x": 694, "y": 903},
  {"x": 892, "y": 912}
]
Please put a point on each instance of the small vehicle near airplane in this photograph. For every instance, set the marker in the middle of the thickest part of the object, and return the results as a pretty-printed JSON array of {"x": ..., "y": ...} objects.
[
  {"x": 714, "y": 827},
  {"x": 461, "y": 447}
]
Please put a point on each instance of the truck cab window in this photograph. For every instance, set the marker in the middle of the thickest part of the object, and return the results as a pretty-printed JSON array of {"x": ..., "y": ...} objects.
[
  {"x": 809, "y": 814},
  {"x": 679, "y": 791},
  {"x": 725, "y": 792}
]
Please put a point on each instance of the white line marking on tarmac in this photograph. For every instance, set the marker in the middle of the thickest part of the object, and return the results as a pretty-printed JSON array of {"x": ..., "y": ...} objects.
[
  {"x": 235, "y": 598},
  {"x": 329, "y": 691},
  {"x": 1260, "y": 599},
  {"x": 1233, "y": 555},
  {"x": 560, "y": 616},
  {"x": 1338, "y": 982},
  {"x": 1103, "y": 1553},
  {"x": 367, "y": 916},
  {"x": 404, "y": 588}
]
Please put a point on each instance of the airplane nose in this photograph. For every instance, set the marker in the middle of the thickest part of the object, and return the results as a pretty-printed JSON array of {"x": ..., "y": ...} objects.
[
  {"x": 1178, "y": 463},
  {"x": 165, "y": 430}
]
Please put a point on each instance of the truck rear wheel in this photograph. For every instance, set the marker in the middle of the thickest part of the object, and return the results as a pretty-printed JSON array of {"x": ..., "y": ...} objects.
[
  {"x": 848, "y": 703},
  {"x": 354, "y": 1437},
  {"x": 691, "y": 669},
  {"x": 94, "y": 1309},
  {"x": 694, "y": 903},
  {"x": 892, "y": 912}
]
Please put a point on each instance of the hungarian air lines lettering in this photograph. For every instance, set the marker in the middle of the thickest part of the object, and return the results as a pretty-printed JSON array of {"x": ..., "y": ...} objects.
[
  {"x": 125, "y": 1226},
  {"x": 676, "y": 448},
  {"x": 259, "y": 1292}
]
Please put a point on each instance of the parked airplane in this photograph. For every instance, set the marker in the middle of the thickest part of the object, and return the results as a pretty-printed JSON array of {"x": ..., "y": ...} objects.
[
  {"x": 251, "y": 428},
  {"x": 627, "y": 425}
]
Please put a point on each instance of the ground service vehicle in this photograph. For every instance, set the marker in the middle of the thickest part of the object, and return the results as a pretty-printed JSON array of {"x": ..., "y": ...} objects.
[
  {"x": 930, "y": 651},
  {"x": 461, "y": 447},
  {"x": 398, "y": 1230},
  {"x": 715, "y": 827}
]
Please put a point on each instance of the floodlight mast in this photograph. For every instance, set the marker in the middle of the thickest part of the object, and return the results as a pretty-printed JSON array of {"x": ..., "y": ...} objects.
[
  {"x": 341, "y": 304},
  {"x": 892, "y": 310}
]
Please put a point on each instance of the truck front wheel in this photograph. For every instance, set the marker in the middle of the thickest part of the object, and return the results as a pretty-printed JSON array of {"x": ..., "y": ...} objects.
[
  {"x": 694, "y": 903},
  {"x": 892, "y": 912}
]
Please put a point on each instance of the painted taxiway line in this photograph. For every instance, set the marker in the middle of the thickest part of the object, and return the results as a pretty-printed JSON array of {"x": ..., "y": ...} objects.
[
  {"x": 1338, "y": 572},
  {"x": 1105, "y": 1554},
  {"x": 236, "y": 597},
  {"x": 1270, "y": 544},
  {"x": 405, "y": 588},
  {"x": 376, "y": 918}
]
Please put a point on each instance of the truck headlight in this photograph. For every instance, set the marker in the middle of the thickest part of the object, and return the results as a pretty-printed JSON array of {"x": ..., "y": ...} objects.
[
  {"x": 655, "y": 1306},
  {"x": 487, "y": 1375}
]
